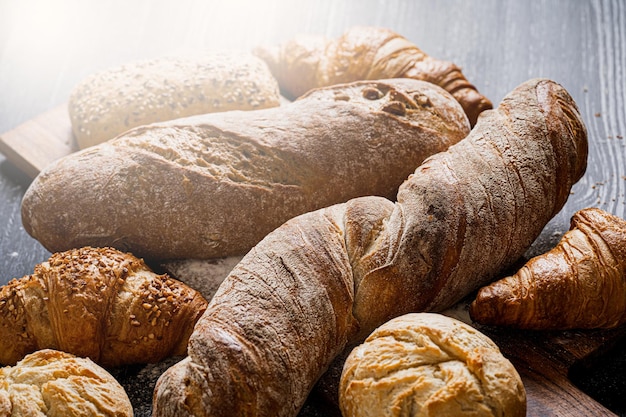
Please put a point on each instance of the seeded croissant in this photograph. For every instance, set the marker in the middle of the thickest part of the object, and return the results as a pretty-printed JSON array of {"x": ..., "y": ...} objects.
[
  {"x": 365, "y": 53},
  {"x": 581, "y": 283},
  {"x": 97, "y": 303}
]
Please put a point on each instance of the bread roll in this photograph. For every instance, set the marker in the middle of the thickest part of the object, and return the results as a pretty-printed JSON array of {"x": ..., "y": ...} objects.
[
  {"x": 214, "y": 185},
  {"x": 426, "y": 364},
  {"x": 56, "y": 384},
  {"x": 98, "y": 303},
  {"x": 115, "y": 100}
]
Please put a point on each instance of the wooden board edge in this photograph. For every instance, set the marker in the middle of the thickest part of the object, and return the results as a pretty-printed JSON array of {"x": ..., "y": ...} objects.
[{"x": 34, "y": 144}]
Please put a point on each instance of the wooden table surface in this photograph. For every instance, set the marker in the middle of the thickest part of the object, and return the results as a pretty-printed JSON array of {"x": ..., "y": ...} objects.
[{"x": 46, "y": 47}]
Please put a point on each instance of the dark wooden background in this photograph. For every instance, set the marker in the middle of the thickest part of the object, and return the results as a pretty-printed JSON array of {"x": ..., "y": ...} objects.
[{"x": 46, "y": 47}]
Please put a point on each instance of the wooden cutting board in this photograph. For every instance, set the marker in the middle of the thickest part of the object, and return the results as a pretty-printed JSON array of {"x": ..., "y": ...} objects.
[
  {"x": 545, "y": 360},
  {"x": 37, "y": 142}
]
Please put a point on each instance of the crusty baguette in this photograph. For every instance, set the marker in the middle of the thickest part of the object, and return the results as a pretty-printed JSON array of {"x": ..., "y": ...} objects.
[
  {"x": 579, "y": 284},
  {"x": 426, "y": 364},
  {"x": 57, "y": 384},
  {"x": 214, "y": 185},
  {"x": 327, "y": 278},
  {"x": 114, "y": 100},
  {"x": 364, "y": 53},
  {"x": 98, "y": 303}
]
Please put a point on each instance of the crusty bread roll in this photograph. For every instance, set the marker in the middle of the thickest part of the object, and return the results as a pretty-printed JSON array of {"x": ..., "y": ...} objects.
[
  {"x": 326, "y": 279},
  {"x": 115, "y": 100},
  {"x": 98, "y": 303},
  {"x": 56, "y": 384},
  {"x": 214, "y": 185},
  {"x": 425, "y": 364}
]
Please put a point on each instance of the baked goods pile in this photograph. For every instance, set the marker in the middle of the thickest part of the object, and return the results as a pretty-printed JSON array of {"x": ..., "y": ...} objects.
[
  {"x": 333, "y": 255},
  {"x": 324, "y": 280}
]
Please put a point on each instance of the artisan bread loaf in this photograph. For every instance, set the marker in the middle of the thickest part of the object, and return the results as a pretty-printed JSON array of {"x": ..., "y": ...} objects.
[
  {"x": 326, "y": 279},
  {"x": 426, "y": 364},
  {"x": 98, "y": 303},
  {"x": 114, "y": 100},
  {"x": 214, "y": 185},
  {"x": 56, "y": 384}
]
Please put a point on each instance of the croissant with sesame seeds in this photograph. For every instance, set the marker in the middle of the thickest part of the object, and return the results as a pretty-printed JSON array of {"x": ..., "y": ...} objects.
[{"x": 98, "y": 303}]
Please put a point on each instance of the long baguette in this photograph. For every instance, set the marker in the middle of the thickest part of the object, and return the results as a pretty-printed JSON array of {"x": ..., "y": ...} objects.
[
  {"x": 214, "y": 185},
  {"x": 327, "y": 278}
]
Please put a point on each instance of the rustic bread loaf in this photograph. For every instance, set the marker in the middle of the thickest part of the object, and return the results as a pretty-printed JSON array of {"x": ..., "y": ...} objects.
[
  {"x": 426, "y": 364},
  {"x": 115, "y": 100},
  {"x": 97, "y": 303},
  {"x": 56, "y": 384},
  {"x": 214, "y": 185},
  {"x": 326, "y": 279}
]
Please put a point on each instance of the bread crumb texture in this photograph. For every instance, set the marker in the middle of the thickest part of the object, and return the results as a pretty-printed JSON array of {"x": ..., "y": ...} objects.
[
  {"x": 427, "y": 364},
  {"x": 53, "y": 383}
]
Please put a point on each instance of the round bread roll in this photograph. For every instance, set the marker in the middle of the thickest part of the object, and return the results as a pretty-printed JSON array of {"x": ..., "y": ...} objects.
[
  {"x": 138, "y": 93},
  {"x": 56, "y": 384},
  {"x": 426, "y": 364}
]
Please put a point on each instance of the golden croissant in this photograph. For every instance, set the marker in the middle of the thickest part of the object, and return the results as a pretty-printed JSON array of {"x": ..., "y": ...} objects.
[
  {"x": 581, "y": 283},
  {"x": 98, "y": 303},
  {"x": 364, "y": 53}
]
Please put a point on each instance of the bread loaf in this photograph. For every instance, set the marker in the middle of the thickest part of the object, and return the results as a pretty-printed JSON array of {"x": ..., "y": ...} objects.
[
  {"x": 98, "y": 303},
  {"x": 115, "y": 100},
  {"x": 364, "y": 53},
  {"x": 326, "y": 279},
  {"x": 425, "y": 364},
  {"x": 214, "y": 185},
  {"x": 56, "y": 384}
]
